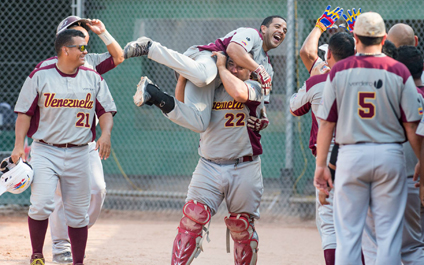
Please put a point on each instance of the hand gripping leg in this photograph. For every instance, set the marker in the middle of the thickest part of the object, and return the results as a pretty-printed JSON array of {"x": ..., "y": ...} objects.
[
  {"x": 245, "y": 238},
  {"x": 188, "y": 242}
]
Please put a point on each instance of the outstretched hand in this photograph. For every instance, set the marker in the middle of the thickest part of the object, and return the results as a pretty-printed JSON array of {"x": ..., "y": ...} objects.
[
  {"x": 328, "y": 18},
  {"x": 96, "y": 26},
  {"x": 351, "y": 19}
]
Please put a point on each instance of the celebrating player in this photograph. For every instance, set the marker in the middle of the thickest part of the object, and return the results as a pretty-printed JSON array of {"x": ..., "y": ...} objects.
[
  {"x": 376, "y": 100},
  {"x": 341, "y": 46},
  {"x": 199, "y": 68},
  {"x": 101, "y": 63},
  {"x": 226, "y": 170},
  {"x": 412, "y": 251},
  {"x": 56, "y": 108}
]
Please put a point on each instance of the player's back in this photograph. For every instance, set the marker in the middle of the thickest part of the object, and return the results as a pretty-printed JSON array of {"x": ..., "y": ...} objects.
[{"x": 373, "y": 95}]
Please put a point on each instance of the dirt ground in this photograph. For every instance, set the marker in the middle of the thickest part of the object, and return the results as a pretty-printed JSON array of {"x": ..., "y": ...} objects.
[{"x": 143, "y": 238}]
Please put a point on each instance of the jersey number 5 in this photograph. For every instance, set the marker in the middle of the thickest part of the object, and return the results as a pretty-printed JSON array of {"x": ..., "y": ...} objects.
[
  {"x": 81, "y": 117},
  {"x": 230, "y": 122},
  {"x": 366, "y": 109}
]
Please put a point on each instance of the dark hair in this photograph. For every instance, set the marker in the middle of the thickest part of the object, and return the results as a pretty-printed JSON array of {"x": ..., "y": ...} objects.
[
  {"x": 389, "y": 49},
  {"x": 80, "y": 24},
  {"x": 267, "y": 21},
  {"x": 341, "y": 45},
  {"x": 369, "y": 41},
  {"x": 412, "y": 58},
  {"x": 65, "y": 39}
]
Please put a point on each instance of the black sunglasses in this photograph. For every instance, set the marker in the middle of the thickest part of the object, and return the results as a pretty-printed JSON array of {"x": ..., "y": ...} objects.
[{"x": 82, "y": 48}]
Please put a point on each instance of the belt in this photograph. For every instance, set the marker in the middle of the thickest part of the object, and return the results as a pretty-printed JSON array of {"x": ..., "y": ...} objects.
[
  {"x": 62, "y": 145},
  {"x": 232, "y": 161}
]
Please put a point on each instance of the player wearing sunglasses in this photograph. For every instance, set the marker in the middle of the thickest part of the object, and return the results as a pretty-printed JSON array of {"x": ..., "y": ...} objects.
[{"x": 101, "y": 63}]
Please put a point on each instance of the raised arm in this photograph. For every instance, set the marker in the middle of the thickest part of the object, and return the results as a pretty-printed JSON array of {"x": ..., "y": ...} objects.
[
  {"x": 234, "y": 86},
  {"x": 112, "y": 45}
]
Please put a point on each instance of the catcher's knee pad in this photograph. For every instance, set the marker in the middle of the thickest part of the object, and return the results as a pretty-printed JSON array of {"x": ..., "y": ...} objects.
[
  {"x": 242, "y": 231},
  {"x": 188, "y": 242}
]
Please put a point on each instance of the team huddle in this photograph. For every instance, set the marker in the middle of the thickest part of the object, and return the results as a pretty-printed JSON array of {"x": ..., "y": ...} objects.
[{"x": 366, "y": 98}]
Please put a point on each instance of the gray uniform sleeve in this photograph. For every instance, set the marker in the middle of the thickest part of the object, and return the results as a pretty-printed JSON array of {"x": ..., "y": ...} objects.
[
  {"x": 247, "y": 38},
  {"x": 328, "y": 107},
  {"x": 27, "y": 96},
  {"x": 411, "y": 107},
  {"x": 104, "y": 100},
  {"x": 100, "y": 62},
  {"x": 255, "y": 93}
]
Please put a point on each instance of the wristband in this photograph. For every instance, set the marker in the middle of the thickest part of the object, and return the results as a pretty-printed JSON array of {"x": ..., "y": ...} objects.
[
  {"x": 321, "y": 26},
  {"x": 106, "y": 38}
]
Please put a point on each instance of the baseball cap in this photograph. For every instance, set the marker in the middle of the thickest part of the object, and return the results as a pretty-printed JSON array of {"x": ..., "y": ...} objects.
[
  {"x": 370, "y": 24},
  {"x": 69, "y": 21}
]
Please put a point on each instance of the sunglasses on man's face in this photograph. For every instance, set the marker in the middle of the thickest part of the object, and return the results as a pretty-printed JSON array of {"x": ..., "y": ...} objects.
[{"x": 82, "y": 48}]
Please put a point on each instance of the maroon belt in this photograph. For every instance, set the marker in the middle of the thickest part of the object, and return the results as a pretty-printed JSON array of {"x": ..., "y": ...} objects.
[
  {"x": 232, "y": 161},
  {"x": 62, "y": 145}
]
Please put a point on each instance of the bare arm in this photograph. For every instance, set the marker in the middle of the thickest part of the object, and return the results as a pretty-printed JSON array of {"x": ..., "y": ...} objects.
[
  {"x": 112, "y": 45},
  {"x": 180, "y": 88},
  {"x": 21, "y": 129},
  {"x": 235, "y": 87},
  {"x": 103, "y": 144},
  {"x": 309, "y": 50},
  {"x": 322, "y": 173},
  {"x": 241, "y": 57}
]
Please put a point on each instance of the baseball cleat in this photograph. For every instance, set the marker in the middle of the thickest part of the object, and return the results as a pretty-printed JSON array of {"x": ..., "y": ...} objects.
[
  {"x": 37, "y": 259},
  {"x": 63, "y": 258},
  {"x": 137, "y": 48},
  {"x": 141, "y": 96}
]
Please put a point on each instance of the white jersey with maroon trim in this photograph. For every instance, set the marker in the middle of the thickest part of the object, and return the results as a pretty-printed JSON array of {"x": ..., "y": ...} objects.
[
  {"x": 227, "y": 136},
  {"x": 63, "y": 107},
  {"x": 309, "y": 97},
  {"x": 372, "y": 95},
  {"x": 99, "y": 62}
]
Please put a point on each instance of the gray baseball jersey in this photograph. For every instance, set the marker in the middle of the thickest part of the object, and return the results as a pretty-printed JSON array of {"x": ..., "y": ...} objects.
[
  {"x": 101, "y": 63},
  {"x": 43, "y": 96},
  {"x": 365, "y": 102},
  {"x": 227, "y": 136},
  {"x": 309, "y": 98},
  {"x": 219, "y": 173}
]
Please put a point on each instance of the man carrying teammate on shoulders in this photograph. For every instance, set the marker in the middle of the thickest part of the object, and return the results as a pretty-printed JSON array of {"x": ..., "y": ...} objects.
[
  {"x": 226, "y": 170},
  {"x": 101, "y": 63},
  {"x": 197, "y": 65},
  {"x": 341, "y": 46}
]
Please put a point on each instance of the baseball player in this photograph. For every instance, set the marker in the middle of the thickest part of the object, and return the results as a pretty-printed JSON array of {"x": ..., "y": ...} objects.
[
  {"x": 412, "y": 251},
  {"x": 226, "y": 170},
  {"x": 197, "y": 65},
  {"x": 101, "y": 63},
  {"x": 56, "y": 108},
  {"x": 341, "y": 46},
  {"x": 379, "y": 108}
]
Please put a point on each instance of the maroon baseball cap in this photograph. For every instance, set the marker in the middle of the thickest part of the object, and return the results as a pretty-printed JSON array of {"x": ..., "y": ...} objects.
[{"x": 69, "y": 21}]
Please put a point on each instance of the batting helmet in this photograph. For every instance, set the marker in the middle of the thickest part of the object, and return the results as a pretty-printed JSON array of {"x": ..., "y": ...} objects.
[
  {"x": 70, "y": 21},
  {"x": 16, "y": 178}
]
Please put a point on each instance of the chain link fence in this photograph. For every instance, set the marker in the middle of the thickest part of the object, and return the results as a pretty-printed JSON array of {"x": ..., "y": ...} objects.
[{"x": 152, "y": 159}]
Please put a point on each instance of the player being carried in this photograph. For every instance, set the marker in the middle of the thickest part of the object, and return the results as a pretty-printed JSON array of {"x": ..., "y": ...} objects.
[{"x": 197, "y": 65}]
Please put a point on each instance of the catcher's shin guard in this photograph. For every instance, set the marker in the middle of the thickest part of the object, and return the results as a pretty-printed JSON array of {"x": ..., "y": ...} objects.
[
  {"x": 188, "y": 242},
  {"x": 245, "y": 238},
  {"x": 160, "y": 99}
]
